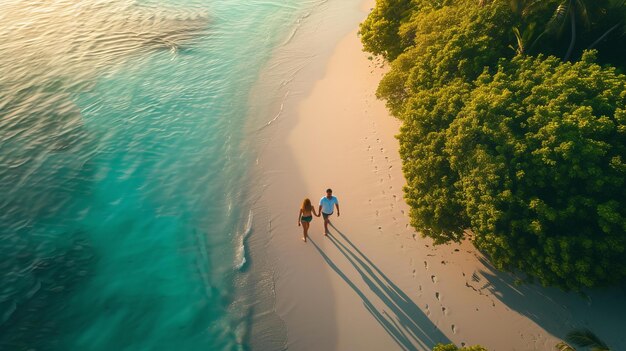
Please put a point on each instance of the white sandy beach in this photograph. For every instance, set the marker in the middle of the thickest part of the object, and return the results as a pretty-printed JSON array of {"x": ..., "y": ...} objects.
[{"x": 375, "y": 284}]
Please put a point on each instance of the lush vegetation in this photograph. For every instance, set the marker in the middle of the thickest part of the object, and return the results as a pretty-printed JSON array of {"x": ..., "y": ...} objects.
[
  {"x": 511, "y": 129},
  {"x": 452, "y": 347}
]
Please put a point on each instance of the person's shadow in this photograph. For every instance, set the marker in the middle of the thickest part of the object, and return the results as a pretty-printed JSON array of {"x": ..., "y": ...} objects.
[{"x": 401, "y": 318}]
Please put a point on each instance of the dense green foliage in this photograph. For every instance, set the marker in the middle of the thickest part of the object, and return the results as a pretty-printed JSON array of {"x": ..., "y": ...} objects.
[
  {"x": 526, "y": 151},
  {"x": 452, "y": 347},
  {"x": 381, "y": 29}
]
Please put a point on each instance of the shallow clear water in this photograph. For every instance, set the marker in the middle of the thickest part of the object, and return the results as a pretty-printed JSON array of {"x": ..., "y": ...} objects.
[{"x": 122, "y": 171}]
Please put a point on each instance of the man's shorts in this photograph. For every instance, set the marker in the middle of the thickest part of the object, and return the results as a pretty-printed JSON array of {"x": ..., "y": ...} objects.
[{"x": 326, "y": 215}]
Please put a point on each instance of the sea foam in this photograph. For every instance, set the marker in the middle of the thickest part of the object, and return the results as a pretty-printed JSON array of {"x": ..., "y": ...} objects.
[{"x": 240, "y": 256}]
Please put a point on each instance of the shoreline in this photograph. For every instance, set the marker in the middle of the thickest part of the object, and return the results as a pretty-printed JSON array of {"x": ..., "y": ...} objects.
[
  {"x": 375, "y": 284},
  {"x": 287, "y": 78}
]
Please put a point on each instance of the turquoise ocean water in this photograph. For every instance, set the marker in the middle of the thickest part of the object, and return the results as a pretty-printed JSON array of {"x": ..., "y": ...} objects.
[{"x": 123, "y": 179}]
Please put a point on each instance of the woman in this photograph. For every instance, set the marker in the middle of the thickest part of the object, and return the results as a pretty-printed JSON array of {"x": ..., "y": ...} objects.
[{"x": 306, "y": 216}]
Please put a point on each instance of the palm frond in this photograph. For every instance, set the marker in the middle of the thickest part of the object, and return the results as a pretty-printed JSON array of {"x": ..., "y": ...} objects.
[
  {"x": 581, "y": 8},
  {"x": 519, "y": 50},
  {"x": 559, "y": 18},
  {"x": 530, "y": 48},
  {"x": 604, "y": 36},
  {"x": 529, "y": 32},
  {"x": 586, "y": 338},
  {"x": 530, "y": 6},
  {"x": 562, "y": 346},
  {"x": 522, "y": 38}
]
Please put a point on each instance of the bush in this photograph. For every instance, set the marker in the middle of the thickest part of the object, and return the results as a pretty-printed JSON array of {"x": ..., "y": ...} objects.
[
  {"x": 539, "y": 151},
  {"x": 452, "y": 347},
  {"x": 527, "y": 152}
]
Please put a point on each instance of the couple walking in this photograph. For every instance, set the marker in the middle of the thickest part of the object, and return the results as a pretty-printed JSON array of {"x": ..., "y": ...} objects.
[{"x": 326, "y": 208}]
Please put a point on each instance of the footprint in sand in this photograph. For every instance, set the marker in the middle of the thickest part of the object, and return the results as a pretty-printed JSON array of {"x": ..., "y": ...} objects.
[
  {"x": 394, "y": 219},
  {"x": 425, "y": 263},
  {"x": 444, "y": 310},
  {"x": 377, "y": 213},
  {"x": 402, "y": 211},
  {"x": 433, "y": 278},
  {"x": 381, "y": 180},
  {"x": 377, "y": 140},
  {"x": 375, "y": 168},
  {"x": 387, "y": 159},
  {"x": 389, "y": 176},
  {"x": 380, "y": 228},
  {"x": 369, "y": 147},
  {"x": 420, "y": 288},
  {"x": 438, "y": 296},
  {"x": 395, "y": 197},
  {"x": 382, "y": 149},
  {"x": 427, "y": 310},
  {"x": 414, "y": 273},
  {"x": 414, "y": 236},
  {"x": 371, "y": 158},
  {"x": 453, "y": 328}
]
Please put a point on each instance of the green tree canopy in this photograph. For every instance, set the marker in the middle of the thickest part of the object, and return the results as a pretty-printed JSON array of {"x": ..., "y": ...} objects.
[
  {"x": 527, "y": 152},
  {"x": 380, "y": 29},
  {"x": 539, "y": 150}
]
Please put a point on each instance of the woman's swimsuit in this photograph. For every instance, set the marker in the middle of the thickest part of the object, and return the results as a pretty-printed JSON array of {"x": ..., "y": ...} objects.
[{"x": 307, "y": 218}]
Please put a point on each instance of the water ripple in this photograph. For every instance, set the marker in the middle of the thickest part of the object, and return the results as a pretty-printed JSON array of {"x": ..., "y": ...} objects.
[{"x": 120, "y": 138}]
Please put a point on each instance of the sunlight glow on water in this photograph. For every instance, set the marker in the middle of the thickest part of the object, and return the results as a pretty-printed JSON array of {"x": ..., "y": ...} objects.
[{"x": 121, "y": 169}]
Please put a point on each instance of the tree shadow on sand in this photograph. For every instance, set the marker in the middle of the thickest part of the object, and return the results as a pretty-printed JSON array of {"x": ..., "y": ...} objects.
[
  {"x": 557, "y": 311},
  {"x": 401, "y": 318}
]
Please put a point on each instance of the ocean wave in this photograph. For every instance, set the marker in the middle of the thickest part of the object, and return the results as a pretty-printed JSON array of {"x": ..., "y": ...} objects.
[
  {"x": 278, "y": 114},
  {"x": 240, "y": 256},
  {"x": 299, "y": 22}
]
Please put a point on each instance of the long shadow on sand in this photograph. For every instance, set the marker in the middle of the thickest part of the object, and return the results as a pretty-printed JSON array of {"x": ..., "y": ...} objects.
[{"x": 403, "y": 320}]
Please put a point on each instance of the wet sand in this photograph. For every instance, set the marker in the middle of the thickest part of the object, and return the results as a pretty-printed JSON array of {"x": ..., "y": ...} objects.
[{"x": 374, "y": 283}]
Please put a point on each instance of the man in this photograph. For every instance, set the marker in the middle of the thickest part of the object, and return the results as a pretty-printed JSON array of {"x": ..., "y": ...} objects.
[{"x": 327, "y": 205}]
